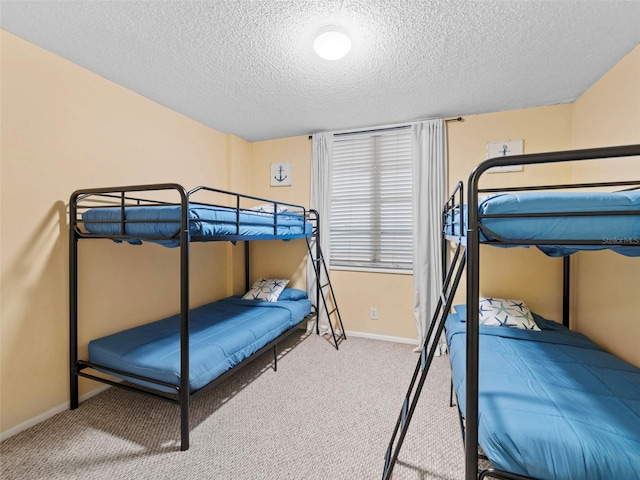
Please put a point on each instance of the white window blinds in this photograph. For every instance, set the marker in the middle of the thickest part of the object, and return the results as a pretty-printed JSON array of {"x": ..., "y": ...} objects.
[{"x": 371, "y": 200}]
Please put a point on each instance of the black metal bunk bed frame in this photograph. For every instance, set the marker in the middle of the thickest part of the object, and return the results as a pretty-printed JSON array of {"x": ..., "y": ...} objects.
[
  {"x": 467, "y": 254},
  {"x": 121, "y": 196}
]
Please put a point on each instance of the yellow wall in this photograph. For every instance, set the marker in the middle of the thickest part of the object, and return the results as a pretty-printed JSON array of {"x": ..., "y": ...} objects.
[
  {"x": 391, "y": 294},
  {"x": 605, "y": 296},
  {"x": 280, "y": 259},
  {"x": 515, "y": 273},
  {"x": 65, "y": 128}
]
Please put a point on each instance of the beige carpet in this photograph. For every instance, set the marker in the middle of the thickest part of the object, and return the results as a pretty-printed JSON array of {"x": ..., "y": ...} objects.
[{"x": 325, "y": 415}]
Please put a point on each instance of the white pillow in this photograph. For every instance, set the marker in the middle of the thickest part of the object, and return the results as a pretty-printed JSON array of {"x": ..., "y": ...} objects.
[
  {"x": 500, "y": 312},
  {"x": 268, "y": 289},
  {"x": 269, "y": 208}
]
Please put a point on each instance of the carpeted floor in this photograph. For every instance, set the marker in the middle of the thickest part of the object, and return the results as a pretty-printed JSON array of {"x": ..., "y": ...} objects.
[{"x": 324, "y": 415}]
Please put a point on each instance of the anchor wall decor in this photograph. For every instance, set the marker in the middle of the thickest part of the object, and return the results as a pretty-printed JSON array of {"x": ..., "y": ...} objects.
[
  {"x": 505, "y": 148},
  {"x": 281, "y": 174}
]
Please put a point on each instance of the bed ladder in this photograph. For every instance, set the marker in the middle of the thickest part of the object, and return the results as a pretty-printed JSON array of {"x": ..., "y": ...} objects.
[
  {"x": 426, "y": 356},
  {"x": 324, "y": 289}
]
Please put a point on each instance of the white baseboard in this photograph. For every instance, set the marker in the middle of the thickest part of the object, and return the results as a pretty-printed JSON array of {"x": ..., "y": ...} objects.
[
  {"x": 385, "y": 338},
  {"x": 48, "y": 414}
]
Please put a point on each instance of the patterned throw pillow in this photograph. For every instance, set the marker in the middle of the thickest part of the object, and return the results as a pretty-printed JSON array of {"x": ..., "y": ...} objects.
[
  {"x": 500, "y": 312},
  {"x": 268, "y": 289},
  {"x": 269, "y": 208}
]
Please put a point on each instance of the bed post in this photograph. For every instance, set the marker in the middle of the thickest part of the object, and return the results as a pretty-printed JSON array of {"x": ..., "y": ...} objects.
[
  {"x": 73, "y": 305},
  {"x": 247, "y": 280},
  {"x": 566, "y": 289},
  {"x": 443, "y": 256},
  {"x": 473, "y": 292},
  {"x": 185, "y": 394}
]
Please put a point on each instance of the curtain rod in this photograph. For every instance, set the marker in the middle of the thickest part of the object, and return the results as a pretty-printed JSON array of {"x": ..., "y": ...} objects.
[
  {"x": 383, "y": 129},
  {"x": 394, "y": 127},
  {"x": 368, "y": 130}
]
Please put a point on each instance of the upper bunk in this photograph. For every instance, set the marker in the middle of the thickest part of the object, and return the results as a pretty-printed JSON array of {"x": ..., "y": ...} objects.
[
  {"x": 559, "y": 219},
  {"x": 168, "y": 214}
]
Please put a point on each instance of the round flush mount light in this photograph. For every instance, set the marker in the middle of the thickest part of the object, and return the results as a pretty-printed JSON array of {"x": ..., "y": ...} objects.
[{"x": 332, "y": 44}]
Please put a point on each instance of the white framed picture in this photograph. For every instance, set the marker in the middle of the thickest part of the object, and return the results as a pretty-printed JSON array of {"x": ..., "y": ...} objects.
[
  {"x": 505, "y": 148},
  {"x": 281, "y": 174}
]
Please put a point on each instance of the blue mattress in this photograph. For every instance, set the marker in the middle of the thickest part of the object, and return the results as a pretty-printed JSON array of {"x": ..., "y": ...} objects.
[
  {"x": 221, "y": 335},
  {"x": 552, "y": 404},
  {"x": 608, "y": 230},
  {"x": 204, "y": 222}
]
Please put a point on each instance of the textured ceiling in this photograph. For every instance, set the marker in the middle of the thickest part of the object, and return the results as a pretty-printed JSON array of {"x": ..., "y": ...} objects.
[{"x": 247, "y": 67}]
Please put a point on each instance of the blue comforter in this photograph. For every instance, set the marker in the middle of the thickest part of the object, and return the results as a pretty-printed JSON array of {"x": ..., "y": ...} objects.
[
  {"x": 204, "y": 222},
  {"x": 221, "y": 335},
  {"x": 552, "y": 404},
  {"x": 608, "y": 230}
]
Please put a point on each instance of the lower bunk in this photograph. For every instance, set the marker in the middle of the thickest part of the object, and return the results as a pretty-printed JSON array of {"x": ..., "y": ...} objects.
[
  {"x": 552, "y": 404},
  {"x": 223, "y": 336}
]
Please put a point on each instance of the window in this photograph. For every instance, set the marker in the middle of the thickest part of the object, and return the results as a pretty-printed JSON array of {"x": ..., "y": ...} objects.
[{"x": 371, "y": 199}]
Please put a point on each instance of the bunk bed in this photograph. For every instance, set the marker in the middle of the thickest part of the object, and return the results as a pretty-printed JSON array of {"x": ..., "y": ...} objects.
[
  {"x": 539, "y": 401},
  {"x": 180, "y": 356}
]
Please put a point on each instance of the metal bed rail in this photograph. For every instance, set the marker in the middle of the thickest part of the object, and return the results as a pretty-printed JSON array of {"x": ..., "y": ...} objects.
[
  {"x": 184, "y": 237},
  {"x": 232, "y": 202},
  {"x": 129, "y": 196},
  {"x": 473, "y": 271},
  {"x": 454, "y": 208},
  {"x": 462, "y": 226}
]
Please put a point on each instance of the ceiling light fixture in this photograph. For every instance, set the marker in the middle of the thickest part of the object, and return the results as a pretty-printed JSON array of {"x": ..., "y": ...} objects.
[{"x": 332, "y": 44}]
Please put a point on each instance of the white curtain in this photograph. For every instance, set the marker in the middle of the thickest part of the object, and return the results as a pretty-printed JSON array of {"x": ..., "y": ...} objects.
[
  {"x": 322, "y": 146},
  {"x": 429, "y": 152}
]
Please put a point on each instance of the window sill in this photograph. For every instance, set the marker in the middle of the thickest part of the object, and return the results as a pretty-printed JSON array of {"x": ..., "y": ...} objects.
[{"x": 393, "y": 271}]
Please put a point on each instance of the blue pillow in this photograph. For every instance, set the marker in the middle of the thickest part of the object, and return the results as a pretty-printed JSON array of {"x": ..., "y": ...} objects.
[
  {"x": 292, "y": 294},
  {"x": 461, "y": 310}
]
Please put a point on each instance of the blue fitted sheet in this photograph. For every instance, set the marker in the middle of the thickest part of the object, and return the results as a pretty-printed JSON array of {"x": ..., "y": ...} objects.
[
  {"x": 221, "y": 335},
  {"x": 608, "y": 230},
  {"x": 204, "y": 222},
  {"x": 552, "y": 404}
]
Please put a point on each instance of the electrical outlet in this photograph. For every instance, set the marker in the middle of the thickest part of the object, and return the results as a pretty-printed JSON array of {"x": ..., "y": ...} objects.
[{"x": 373, "y": 315}]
